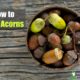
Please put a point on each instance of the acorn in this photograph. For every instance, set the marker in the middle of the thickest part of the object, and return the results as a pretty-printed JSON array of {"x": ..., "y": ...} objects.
[
  {"x": 54, "y": 39},
  {"x": 39, "y": 52},
  {"x": 33, "y": 42},
  {"x": 66, "y": 39},
  {"x": 56, "y": 21},
  {"x": 69, "y": 58},
  {"x": 37, "y": 25},
  {"x": 52, "y": 56},
  {"x": 41, "y": 40},
  {"x": 75, "y": 26}
]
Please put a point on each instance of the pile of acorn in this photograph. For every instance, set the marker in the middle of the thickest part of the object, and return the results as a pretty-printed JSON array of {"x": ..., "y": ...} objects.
[{"x": 54, "y": 38}]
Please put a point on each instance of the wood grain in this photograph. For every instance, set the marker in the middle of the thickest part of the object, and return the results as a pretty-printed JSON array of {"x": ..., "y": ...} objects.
[{"x": 16, "y": 62}]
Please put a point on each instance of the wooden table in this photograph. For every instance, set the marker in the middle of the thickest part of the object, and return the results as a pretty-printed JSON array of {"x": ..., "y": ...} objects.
[{"x": 16, "y": 63}]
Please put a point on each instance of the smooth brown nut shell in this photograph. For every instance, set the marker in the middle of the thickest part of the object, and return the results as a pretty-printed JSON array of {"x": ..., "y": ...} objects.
[
  {"x": 41, "y": 40},
  {"x": 33, "y": 42},
  {"x": 39, "y": 52},
  {"x": 74, "y": 25},
  {"x": 69, "y": 58},
  {"x": 52, "y": 56},
  {"x": 54, "y": 39}
]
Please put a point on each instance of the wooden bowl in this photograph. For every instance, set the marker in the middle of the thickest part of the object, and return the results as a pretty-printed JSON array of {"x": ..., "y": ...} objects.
[{"x": 64, "y": 11}]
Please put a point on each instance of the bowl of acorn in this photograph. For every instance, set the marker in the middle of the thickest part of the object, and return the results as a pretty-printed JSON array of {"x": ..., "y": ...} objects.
[{"x": 53, "y": 37}]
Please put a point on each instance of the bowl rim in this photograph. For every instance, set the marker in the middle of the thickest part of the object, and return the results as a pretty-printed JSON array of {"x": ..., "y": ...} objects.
[{"x": 42, "y": 10}]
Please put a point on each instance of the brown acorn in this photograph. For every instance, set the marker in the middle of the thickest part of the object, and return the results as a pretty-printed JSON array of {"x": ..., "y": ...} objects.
[
  {"x": 41, "y": 40},
  {"x": 38, "y": 52},
  {"x": 54, "y": 39},
  {"x": 33, "y": 42},
  {"x": 69, "y": 58},
  {"x": 52, "y": 56},
  {"x": 74, "y": 25}
]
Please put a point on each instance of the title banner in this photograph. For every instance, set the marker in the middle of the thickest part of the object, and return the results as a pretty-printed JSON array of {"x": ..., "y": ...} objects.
[{"x": 12, "y": 19}]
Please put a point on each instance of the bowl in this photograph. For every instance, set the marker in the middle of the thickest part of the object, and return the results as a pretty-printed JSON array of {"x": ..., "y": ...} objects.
[{"x": 67, "y": 15}]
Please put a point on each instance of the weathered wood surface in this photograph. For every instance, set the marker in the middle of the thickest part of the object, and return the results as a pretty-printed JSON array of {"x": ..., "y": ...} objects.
[{"x": 16, "y": 63}]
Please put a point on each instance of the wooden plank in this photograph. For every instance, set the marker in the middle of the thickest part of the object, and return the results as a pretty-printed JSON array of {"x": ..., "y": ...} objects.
[
  {"x": 13, "y": 45},
  {"x": 13, "y": 33},
  {"x": 5, "y": 42},
  {"x": 15, "y": 49},
  {"x": 18, "y": 62},
  {"x": 29, "y": 65},
  {"x": 16, "y": 55},
  {"x": 18, "y": 76},
  {"x": 26, "y": 76},
  {"x": 20, "y": 4},
  {"x": 15, "y": 39}
]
